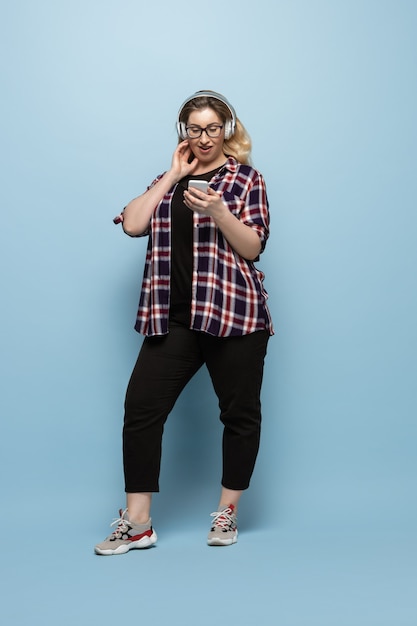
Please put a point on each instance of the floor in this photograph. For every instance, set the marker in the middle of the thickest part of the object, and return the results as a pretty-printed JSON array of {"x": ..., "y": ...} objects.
[{"x": 282, "y": 575}]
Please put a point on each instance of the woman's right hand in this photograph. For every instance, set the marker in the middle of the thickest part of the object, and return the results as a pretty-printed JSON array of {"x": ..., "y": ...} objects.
[
  {"x": 137, "y": 214},
  {"x": 181, "y": 165}
]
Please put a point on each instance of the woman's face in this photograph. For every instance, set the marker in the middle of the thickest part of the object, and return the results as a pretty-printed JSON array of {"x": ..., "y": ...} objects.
[{"x": 208, "y": 150}]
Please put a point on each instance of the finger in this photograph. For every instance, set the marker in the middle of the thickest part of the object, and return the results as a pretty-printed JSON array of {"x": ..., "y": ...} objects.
[
  {"x": 196, "y": 193},
  {"x": 211, "y": 192},
  {"x": 183, "y": 147},
  {"x": 189, "y": 202}
]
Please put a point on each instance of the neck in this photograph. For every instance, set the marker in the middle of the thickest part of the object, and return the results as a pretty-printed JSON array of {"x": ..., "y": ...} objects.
[{"x": 203, "y": 168}]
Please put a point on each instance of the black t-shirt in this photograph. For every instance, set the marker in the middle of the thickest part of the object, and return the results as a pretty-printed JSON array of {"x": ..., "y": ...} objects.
[{"x": 182, "y": 252}]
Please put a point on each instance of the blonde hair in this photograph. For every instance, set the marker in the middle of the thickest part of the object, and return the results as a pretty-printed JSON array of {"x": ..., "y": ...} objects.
[{"x": 239, "y": 145}]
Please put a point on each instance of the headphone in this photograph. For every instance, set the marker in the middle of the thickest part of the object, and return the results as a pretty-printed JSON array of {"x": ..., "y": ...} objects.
[{"x": 230, "y": 125}]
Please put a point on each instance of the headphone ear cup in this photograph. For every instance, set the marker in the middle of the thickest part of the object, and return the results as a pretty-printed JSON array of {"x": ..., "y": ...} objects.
[
  {"x": 228, "y": 129},
  {"x": 181, "y": 130}
]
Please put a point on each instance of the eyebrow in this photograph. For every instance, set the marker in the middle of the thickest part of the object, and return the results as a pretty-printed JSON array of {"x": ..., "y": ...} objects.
[{"x": 210, "y": 124}]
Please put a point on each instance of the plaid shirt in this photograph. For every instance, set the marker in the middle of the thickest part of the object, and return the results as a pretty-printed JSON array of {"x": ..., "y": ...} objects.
[{"x": 228, "y": 297}]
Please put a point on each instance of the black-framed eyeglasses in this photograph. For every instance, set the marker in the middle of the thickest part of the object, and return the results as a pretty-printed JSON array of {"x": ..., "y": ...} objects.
[{"x": 213, "y": 131}]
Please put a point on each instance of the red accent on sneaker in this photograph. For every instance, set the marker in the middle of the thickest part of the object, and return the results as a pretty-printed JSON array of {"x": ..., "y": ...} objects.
[
  {"x": 230, "y": 507},
  {"x": 222, "y": 519},
  {"x": 137, "y": 537}
]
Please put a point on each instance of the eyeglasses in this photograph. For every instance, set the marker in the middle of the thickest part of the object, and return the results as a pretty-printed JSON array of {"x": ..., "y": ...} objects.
[{"x": 213, "y": 131}]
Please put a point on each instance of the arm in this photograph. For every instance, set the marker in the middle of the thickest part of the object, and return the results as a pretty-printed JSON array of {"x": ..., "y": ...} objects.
[
  {"x": 138, "y": 213},
  {"x": 244, "y": 239}
]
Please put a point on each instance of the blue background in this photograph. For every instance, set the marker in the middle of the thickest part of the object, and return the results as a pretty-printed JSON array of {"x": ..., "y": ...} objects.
[{"x": 90, "y": 93}]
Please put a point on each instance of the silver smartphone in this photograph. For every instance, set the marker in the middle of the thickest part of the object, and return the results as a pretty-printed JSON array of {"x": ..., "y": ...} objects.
[{"x": 202, "y": 185}]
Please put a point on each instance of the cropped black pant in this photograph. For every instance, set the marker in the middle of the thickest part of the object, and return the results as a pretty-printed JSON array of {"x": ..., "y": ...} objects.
[{"x": 164, "y": 366}]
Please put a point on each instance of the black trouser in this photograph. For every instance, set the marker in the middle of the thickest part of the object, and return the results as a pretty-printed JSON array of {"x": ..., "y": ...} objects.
[{"x": 165, "y": 365}]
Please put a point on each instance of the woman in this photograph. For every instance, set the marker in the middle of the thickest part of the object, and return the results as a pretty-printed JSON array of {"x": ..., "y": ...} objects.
[{"x": 202, "y": 302}]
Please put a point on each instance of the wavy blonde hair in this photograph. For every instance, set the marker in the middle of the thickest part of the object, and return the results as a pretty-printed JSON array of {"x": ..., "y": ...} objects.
[{"x": 239, "y": 145}]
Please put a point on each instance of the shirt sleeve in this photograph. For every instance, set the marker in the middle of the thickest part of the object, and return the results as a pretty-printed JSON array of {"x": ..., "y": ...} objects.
[
  {"x": 119, "y": 218},
  {"x": 248, "y": 201},
  {"x": 256, "y": 210}
]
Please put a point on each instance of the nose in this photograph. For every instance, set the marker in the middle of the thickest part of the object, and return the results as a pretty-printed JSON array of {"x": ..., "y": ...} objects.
[{"x": 204, "y": 136}]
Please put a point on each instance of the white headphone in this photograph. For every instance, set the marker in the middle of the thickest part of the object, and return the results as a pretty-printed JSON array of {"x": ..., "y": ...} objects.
[{"x": 230, "y": 125}]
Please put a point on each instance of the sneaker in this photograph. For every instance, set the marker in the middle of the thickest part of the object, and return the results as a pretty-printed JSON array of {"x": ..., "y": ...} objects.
[
  {"x": 127, "y": 536},
  {"x": 223, "y": 531}
]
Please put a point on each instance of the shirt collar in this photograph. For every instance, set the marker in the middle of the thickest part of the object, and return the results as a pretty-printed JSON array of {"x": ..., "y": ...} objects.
[{"x": 231, "y": 164}]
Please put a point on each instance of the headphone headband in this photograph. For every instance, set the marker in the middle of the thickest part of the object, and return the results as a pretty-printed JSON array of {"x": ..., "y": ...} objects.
[{"x": 230, "y": 125}]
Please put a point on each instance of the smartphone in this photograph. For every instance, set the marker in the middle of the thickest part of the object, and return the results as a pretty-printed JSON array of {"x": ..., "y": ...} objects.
[{"x": 202, "y": 185}]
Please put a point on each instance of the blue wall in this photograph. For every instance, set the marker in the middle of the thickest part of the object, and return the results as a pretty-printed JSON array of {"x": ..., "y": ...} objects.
[{"x": 328, "y": 93}]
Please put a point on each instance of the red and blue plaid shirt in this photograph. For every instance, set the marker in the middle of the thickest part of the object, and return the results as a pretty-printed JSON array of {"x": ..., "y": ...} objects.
[{"x": 228, "y": 297}]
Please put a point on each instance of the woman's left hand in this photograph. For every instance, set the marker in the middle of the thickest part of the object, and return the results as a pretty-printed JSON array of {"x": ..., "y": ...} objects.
[
  {"x": 242, "y": 238},
  {"x": 209, "y": 203}
]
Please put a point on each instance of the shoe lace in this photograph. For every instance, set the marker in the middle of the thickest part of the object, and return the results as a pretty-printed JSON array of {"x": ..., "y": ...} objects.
[
  {"x": 122, "y": 525},
  {"x": 223, "y": 519}
]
